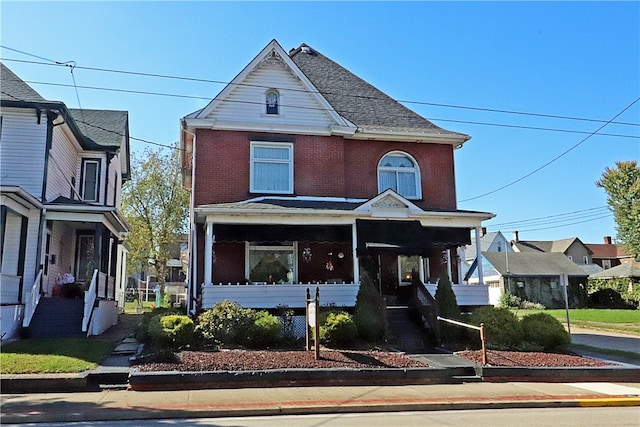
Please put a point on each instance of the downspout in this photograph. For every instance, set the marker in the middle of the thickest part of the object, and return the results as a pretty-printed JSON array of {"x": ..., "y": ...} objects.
[{"x": 193, "y": 252}]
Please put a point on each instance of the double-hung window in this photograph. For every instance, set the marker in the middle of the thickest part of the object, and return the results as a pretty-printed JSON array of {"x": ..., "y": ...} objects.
[
  {"x": 90, "y": 180},
  {"x": 271, "y": 167},
  {"x": 399, "y": 172}
]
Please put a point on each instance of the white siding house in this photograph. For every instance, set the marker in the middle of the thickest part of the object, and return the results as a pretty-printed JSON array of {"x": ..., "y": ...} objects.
[{"x": 62, "y": 172}]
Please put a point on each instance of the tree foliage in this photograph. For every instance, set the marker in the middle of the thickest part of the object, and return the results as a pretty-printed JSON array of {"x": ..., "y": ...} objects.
[
  {"x": 622, "y": 185},
  {"x": 157, "y": 208}
]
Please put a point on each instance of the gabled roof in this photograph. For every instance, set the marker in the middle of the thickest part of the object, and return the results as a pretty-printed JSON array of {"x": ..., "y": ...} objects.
[
  {"x": 358, "y": 101},
  {"x": 533, "y": 264},
  {"x": 94, "y": 129},
  {"x": 545, "y": 245},
  {"x": 13, "y": 88},
  {"x": 607, "y": 251},
  {"x": 357, "y": 109},
  {"x": 485, "y": 243},
  {"x": 629, "y": 269}
]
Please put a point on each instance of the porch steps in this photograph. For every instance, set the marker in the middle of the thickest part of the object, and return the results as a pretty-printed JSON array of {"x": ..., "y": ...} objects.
[
  {"x": 404, "y": 334},
  {"x": 57, "y": 318}
]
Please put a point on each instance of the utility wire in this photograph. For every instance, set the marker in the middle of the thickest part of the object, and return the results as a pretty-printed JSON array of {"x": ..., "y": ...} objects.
[
  {"x": 555, "y": 158},
  {"x": 549, "y": 216},
  {"x": 165, "y": 76},
  {"x": 324, "y": 109},
  {"x": 566, "y": 225}
]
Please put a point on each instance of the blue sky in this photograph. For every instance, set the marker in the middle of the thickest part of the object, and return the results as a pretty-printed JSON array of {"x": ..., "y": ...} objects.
[{"x": 571, "y": 59}]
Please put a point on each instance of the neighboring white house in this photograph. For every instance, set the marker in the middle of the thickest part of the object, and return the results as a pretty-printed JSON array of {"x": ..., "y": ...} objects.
[{"x": 62, "y": 172}]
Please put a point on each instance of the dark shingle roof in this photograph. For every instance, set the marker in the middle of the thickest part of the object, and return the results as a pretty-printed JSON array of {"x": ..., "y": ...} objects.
[
  {"x": 106, "y": 128},
  {"x": 13, "y": 88},
  {"x": 358, "y": 101},
  {"x": 533, "y": 264}
]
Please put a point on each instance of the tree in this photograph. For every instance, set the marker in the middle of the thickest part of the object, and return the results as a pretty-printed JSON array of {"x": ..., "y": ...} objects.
[
  {"x": 157, "y": 208},
  {"x": 622, "y": 185}
]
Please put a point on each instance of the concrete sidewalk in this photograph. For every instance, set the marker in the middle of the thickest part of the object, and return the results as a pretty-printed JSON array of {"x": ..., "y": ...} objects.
[{"x": 131, "y": 405}]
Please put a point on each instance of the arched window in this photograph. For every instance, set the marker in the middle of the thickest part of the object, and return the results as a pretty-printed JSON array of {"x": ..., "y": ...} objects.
[
  {"x": 272, "y": 101},
  {"x": 400, "y": 172}
]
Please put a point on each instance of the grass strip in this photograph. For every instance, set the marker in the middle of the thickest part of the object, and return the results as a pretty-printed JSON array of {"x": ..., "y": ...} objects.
[{"x": 53, "y": 355}]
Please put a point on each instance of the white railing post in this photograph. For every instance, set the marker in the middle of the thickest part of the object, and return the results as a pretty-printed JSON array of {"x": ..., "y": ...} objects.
[
  {"x": 89, "y": 301},
  {"x": 32, "y": 300}
]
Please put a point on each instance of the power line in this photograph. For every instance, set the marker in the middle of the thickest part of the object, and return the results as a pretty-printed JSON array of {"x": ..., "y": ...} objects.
[
  {"x": 567, "y": 225},
  {"x": 565, "y": 214},
  {"x": 173, "y": 77},
  {"x": 138, "y": 92},
  {"x": 555, "y": 158}
]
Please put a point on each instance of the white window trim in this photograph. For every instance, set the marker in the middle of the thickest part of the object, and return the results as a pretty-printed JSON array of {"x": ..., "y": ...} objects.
[
  {"x": 97, "y": 179},
  {"x": 249, "y": 246},
  {"x": 252, "y": 161},
  {"x": 416, "y": 168},
  {"x": 263, "y": 113}
]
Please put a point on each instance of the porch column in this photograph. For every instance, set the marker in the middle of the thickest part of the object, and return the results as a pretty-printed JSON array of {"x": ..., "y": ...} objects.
[
  {"x": 208, "y": 253},
  {"x": 354, "y": 247},
  {"x": 479, "y": 256}
]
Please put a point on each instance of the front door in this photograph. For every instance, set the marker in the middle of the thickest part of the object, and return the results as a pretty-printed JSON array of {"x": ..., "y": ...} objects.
[{"x": 85, "y": 261}]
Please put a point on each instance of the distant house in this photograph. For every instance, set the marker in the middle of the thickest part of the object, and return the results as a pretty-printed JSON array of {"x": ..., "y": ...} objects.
[
  {"x": 534, "y": 276},
  {"x": 489, "y": 242},
  {"x": 303, "y": 175},
  {"x": 572, "y": 248},
  {"x": 62, "y": 229},
  {"x": 607, "y": 254}
]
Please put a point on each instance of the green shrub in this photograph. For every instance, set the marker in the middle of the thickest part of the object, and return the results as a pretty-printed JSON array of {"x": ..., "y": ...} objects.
[
  {"x": 546, "y": 331},
  {"x": 338, "y": 330},
  {"x": 628, "y": 289},
  {"x": 226, "y": 323},
  {"x": 509, "y": 300},
  {"x": 265, "y": 331},
  {"x": 608, "y": 298},
  {"x": 502, "y": 329},
  {"x": 449, "y": 309},
  {"x": 171, "y": 330},
  {"x": 369, "y": 312},
  {"x": 142, "y": 330}
]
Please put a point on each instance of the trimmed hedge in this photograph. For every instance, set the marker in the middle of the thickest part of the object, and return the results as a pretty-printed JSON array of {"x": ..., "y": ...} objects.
[
  {"x": 546, "y": 331},
  {"x": 339, "y": 329}
]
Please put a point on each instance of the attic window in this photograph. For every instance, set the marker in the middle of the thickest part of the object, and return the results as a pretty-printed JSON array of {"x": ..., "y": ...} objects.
[{"x": 272, "y": 101}]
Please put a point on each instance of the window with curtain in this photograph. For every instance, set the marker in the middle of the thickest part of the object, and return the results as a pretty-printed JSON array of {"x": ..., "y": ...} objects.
[
  {"x": 271, "y": 167},
  {"x": 271, "y": 264},
  {"x": 399, "y": 172}
]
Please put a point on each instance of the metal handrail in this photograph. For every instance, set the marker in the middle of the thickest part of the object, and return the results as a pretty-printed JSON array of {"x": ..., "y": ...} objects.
[
  {"x": 89, "y": 301},
  {"x": 32, "y": 301}
]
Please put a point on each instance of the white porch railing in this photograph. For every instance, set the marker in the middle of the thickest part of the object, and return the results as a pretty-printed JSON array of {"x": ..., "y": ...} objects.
[
  {"x": 90, "y": 301},
  {"x": 32, "y": 300},
  {"x": 273, "y": 295},
  {"x": 466, "y": 294}
]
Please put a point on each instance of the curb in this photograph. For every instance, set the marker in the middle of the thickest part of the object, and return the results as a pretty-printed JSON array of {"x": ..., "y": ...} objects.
[
  {"x": 167, "y": 381},
  {"x": 295, "y": 408}
]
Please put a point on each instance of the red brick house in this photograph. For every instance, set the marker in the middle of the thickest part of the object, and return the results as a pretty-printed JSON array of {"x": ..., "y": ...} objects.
[{"x": 304, "y": 175}]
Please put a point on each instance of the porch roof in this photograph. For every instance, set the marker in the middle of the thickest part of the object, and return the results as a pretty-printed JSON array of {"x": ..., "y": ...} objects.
[
  {"x": 333, "y": 211},
  {"x": 63, "y": 209}
]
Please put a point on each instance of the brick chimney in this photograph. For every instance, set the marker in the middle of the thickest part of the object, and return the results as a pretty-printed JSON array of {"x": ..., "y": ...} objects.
[{"x": 607, "y": 240}]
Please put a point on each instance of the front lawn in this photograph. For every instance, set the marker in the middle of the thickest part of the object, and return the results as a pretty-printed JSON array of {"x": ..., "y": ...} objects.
[
  {"x": 53, "y": 355},
  {"x": 591, "y": 318}
]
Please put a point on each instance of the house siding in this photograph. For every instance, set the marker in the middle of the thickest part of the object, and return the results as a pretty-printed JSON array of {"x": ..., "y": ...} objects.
[
  {"x": 22, "y": 150},
  {"x": 246, "y": 102},
  {"x": 63, "y": 159}
]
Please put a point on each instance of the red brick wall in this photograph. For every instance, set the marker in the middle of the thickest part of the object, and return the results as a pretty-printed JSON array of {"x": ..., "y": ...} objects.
[{"x": 323, "y": 166}]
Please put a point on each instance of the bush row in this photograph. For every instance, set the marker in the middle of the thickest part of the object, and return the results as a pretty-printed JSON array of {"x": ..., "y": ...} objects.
[{"x": 534, "y": 332}]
